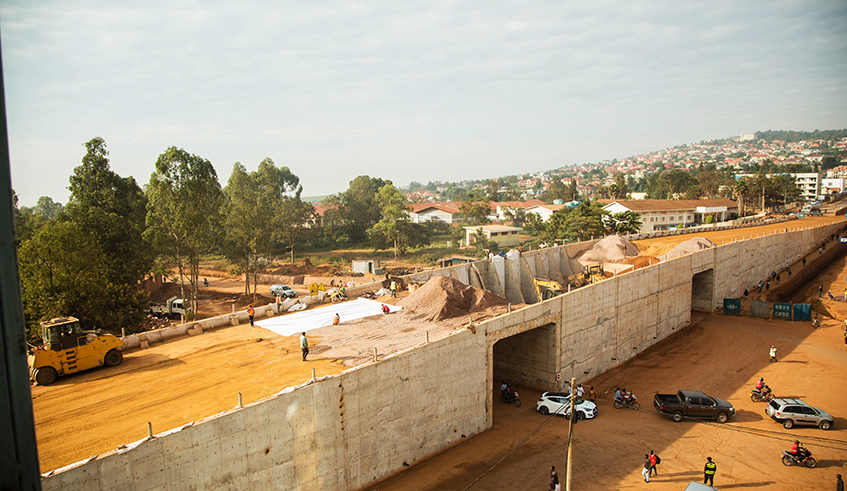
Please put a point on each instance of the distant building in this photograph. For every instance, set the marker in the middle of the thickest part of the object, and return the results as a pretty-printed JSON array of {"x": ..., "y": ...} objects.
[
  {"x": 809, "y": 183},
  {"x": 504, "y": 236},
  {"x": 544, "y": 211},
  {"x": 662, "y": 214}
]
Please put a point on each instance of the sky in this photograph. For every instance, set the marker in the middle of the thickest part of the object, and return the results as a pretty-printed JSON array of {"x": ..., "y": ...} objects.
[{"x": 405, "y": 91}]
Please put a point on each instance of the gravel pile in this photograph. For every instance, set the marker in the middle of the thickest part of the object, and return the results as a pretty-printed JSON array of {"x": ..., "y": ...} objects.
[
  {"x": 612, "y": 248},
  {"x": 687, "y": 247},
  {"x": 443, "y": 297}
]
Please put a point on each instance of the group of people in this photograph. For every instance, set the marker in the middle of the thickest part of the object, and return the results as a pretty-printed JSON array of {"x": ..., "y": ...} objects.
[{"x": 651, "y": 460}]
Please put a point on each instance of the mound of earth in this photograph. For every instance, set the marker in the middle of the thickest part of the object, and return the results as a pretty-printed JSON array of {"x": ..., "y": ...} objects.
[
  {"x": 639, "y": 262},
  {"x": 612, "y": 248},
  {"x": 443, "y": 297},
  {"x": 687, "y": 247}
]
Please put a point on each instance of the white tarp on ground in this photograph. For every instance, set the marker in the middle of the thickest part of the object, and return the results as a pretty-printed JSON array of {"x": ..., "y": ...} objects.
[{"x": 288, "y": 324}]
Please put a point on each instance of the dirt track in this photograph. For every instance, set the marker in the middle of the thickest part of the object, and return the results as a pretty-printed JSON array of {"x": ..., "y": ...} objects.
[{"x": 194, "y": 377}]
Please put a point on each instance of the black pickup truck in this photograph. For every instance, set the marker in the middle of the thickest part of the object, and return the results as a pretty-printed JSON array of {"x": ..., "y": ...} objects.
[{"x": 693, "y": 404}]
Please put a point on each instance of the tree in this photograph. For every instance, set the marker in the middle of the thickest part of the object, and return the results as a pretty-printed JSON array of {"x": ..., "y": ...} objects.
[
  {"x": 517, "y": 216},
  {"x": 625, "y": 222},
  {"x": 293, "y": 218},
  {"x": 183, "y": 213},
  {"x": 741, "y": 192},
  {"x": 395, "y": 227},
  {"x": 621, "y": 189},
  {"x": 360, "y": 209},
  {"x": 64, "y": 273},
  {"x": 582, "y": 222},
  {"x": 676, "y": 182},
  {"x": 475, "y": 213},
  {"x": 111, "y": 212}
]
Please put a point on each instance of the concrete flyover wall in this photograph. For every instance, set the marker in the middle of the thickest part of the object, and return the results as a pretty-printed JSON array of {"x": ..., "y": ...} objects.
[
  {"x": 343, "y": 432},
  {"x": 348, "y": 431}
]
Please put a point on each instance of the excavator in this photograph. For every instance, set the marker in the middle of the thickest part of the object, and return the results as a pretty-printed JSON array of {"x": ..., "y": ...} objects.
[
  {"x": 547, "y": 289},
  {"x": 68, "y": 349}
]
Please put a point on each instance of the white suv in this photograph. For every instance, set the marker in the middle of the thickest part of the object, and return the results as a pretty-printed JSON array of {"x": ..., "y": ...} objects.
[{"x": 559, "y": 403}]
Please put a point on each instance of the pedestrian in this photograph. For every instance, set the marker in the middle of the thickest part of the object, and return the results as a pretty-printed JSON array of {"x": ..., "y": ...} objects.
[
  {"x": 777, "y": 279},
  {"x": 760, "y": 286},
  {"x": 845, "y": 338},
  {"x": 646, "y": 470},
  {"x": 773, "y": 353},
  {"x": 278, "y": 304},
  {"x": 304, "y": 345},
  {"x": 820, "y": 290},
  {"x": 820, "y": 250},
  {"x": 336, "y": 320},
  {"x": 746, "y": 293},
  {"x": 767, "y": 286},
  {"x": 554, "y": 479},
  {"x": 804, "y": 262},
  {"x": 251, "y": 313},
  {"x": 709, "y": 472},
  {"x": 829, "y": 295},
  {"x": 845, "y": 294},
  {"x": 592, "y": 394},
  {"x": 579, "y": 391},
  {"x": 393, "y": 288},
  {"x": 839, "y": 484},
  {"x": 789, "y": 273},
  {"x": 773, "y": 275},
  {"x": 654, "y": 459},
  {"x": 385, "y": 309}
]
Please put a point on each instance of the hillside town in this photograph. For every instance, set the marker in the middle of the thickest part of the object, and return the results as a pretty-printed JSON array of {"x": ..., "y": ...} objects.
[{"x": 819, "y": 166}]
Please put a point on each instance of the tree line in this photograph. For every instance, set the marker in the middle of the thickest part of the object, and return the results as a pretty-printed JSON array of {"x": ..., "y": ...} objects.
[{"x": 86, "y": 258}]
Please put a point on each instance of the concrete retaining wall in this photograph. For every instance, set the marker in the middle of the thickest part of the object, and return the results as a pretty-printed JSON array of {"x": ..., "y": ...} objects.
[{"x": 349, "y": 431}]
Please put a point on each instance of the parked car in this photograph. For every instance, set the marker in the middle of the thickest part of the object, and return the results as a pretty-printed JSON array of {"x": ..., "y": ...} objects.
[
  {"x": 815, "y": 213},
  {"x": 283, "y": 291},
  {"x": 693, "y": 404},
  {"x": 559, "y": 403},
  {"x": 792, "y": 412}
]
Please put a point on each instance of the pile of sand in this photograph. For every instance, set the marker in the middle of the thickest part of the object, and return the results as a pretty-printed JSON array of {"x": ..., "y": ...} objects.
[
  {"x": 687, "y": 247},
  {"x": 612, "y": 248},
  {"x": 443, "y": 297}
]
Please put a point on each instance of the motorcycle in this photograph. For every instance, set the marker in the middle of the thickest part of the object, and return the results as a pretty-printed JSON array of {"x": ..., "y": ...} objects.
[
  {"x": 628, "y": 400},
  {"x": 763, "y": 395},
  {"x": 510, "y": 395},
  {"x": 803, "y": 457}
]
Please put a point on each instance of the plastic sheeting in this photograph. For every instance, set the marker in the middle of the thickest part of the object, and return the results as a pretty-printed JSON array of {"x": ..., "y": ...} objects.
[{"x": 289, "y": 324}]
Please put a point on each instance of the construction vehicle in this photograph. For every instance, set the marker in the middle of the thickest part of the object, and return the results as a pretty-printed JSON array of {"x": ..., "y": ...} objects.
[
  {"x": 174, "y": 307},
  {"x": 66, "y": 348},
  {"x": 547, "y": 289},
  {"x": 576, "y": 280},
  {"x": 593, "y": 273}
]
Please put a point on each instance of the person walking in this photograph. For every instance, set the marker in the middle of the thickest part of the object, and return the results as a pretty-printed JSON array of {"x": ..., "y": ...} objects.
[
  {"x": 777, "y": 278},
  {"x": 709, "y": 472},
  {"x": 304, "y": 345},
  {"x": 336, "y": 320},
  {"x": 250, "y": 313},
  {"x": 773, "y": 353},
  {"x": 554, "y": 479},
  {"x": 592, "y": 394},
  {"x": 820, "y": 290},
  {"x": 789, "y": 273},
  {"x": 393, "y": 288},
  {"x": 839, "y": 484},
  {"x": 654, "y": 459},
  {"x": 646, "y": 470},
  {"x": 767, "y": 286},
  {"x": 804, "y": 262},
  {"x": 746, "y": 293}
]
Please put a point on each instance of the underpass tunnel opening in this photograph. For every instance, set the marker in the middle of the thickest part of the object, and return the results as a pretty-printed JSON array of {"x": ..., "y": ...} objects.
[
  {"x": 703, "y": 291},
  {"x": 527, "y": 359}
]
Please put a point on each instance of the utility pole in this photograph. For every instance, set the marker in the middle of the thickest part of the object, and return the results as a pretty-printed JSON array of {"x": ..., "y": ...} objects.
[{"x": 570, "y": 435}]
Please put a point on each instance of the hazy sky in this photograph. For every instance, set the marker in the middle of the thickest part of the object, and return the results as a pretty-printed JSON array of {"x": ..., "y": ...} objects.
[{"x": 405, "y": 90}]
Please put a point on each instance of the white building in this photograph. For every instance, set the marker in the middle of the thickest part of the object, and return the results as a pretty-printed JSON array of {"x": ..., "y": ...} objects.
[
  {"x": 662, "y": 214},
  {"x": 544, "y": 211},
  {"x": 809, "y": 183}
]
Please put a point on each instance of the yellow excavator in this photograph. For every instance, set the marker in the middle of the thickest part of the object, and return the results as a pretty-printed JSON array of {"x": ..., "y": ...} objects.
[
  {"x": 68, "y": 349},
  {"x": 547, "y": 289}
]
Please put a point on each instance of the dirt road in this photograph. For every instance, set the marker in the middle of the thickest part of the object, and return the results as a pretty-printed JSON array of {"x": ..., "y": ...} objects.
[{"x": 190, "y": 378}]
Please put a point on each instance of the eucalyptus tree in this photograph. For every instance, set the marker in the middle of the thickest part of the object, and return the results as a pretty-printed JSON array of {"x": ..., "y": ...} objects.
[
  {"x": 184, "y": 212},
  {"x": 395, "y": 228}
]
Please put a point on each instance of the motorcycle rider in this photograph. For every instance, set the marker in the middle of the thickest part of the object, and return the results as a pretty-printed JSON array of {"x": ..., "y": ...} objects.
[
  {"x": 797, "y": 450},
  {"x": 760, "y": 384},
  {"x": 503, "y": 388}
]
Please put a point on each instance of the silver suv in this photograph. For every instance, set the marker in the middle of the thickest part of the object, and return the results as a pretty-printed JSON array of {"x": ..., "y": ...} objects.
[
  {"x": 794, "y": 411},
  {"x": 283, "y": 291}
]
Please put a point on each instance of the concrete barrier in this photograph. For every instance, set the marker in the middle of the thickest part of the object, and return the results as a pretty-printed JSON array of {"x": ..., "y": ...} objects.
[{"x": 348, "y": 431}]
